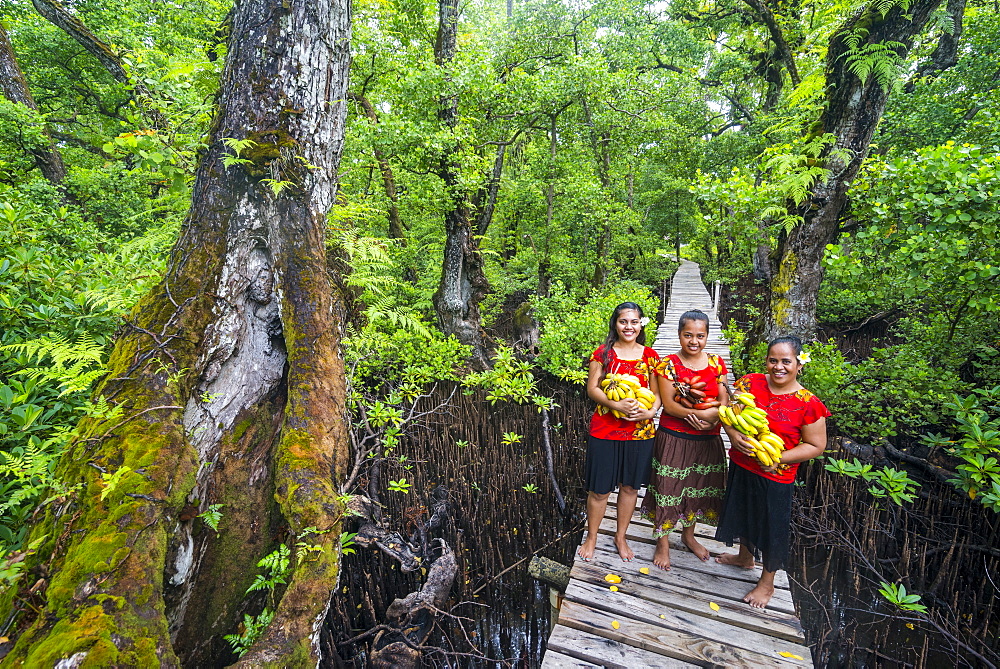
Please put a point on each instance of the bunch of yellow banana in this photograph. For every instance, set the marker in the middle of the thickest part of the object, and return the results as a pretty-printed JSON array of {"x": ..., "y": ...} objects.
[
  {"x": 751, "y": 420},
  {"x": 621, "y": 386}
]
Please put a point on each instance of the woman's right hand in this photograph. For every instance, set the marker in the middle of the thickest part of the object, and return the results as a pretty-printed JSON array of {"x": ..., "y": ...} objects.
[
  {"x": 627, "y": 406},
  {"x": 739, "y": 442}
]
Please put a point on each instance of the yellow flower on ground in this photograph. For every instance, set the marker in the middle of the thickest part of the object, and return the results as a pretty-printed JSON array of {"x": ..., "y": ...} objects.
[{"x": 613, "y": 578}]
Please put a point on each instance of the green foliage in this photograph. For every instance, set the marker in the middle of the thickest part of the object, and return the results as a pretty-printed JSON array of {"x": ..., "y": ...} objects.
[
  {"x": 400, "y": 486},
  {"x": 252, "y": 629},
  {"x": 892, "y": 391},
  {"x": 508, "y": 380},
  {"x": 574, "y": 325},
  {"x": 887, "y": 482},
  {"x": 977, "y": 444},
  {"x": 878, "y": 60},
  {"x": 896, "y": 594},
  {"x": 212, "y": 516},
  {"x": 277, "y": 569}
]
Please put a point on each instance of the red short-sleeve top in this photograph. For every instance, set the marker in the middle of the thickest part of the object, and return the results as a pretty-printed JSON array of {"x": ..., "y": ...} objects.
[
  {"x": 672, "y": 369},
  {"x": 604, "y": 424},
  {"x": 786, "y": 414}
]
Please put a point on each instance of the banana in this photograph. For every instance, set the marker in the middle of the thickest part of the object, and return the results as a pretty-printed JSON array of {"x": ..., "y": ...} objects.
[
  {"x": 757, "y": 448},
  {"x": 754, "y": 420},
  {"x": 743, "y": 426},
  {"x": 725, "y": 415},
  {"x": 747, "y": 399},
  {"x": 644, "y": 403},
  {"x": 756, "y": 412},
  {"x": 763, "y": 458},
  {"x": 645, "y": 393},
  {"x": 613, "y": 393},
  {"x": 617, "y": 413},
  {"x": 629, "y": 380}
]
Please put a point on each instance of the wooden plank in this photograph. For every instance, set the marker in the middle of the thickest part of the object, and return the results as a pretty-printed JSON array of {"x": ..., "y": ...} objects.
[
  {"x": 556, "y": 660},
  {"x": 719, "y": 584},
  {"x": 735, "y": 612},
  {"x": 664, "y": 641},
  {"x": 643, "y": 546},
  {"x": 607, "y": 653},
  {"x": 682, "y": 558},
  {"x": 704, "y": 623}
]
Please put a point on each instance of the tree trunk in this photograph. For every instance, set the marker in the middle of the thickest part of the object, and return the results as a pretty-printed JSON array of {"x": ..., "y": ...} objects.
[
  {"x": 463, "y": 282},
  {"x": 388, "y": 179},
  {"x": 106, "y": 56},
  {"x": 853, "y": 110},
  {"x": 946, "y": 53},
  {"x": 231, "y": 391},
  {"x": 15, "y": 88}
]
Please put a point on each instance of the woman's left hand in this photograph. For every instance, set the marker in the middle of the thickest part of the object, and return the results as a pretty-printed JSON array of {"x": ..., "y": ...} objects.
[
  {"x": 697, "y": 423},
  {"x": 641, "y": 414}
]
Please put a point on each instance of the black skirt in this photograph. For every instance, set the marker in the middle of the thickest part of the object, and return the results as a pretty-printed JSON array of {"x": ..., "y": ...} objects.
[
  {"x": 612, "y": 463},
  {"x": 757, "y": 512}
]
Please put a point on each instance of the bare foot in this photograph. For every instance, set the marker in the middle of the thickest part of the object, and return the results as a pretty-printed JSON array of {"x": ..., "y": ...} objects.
[
  {"x": 694, "y": 546},
  {"x": 624, "y": 550},
  {"x": 586, "y": 551},
  {"x": 735, "y": 560},
  {"x": 759, "y": 596},
  {"x": 661, "y": 558}
]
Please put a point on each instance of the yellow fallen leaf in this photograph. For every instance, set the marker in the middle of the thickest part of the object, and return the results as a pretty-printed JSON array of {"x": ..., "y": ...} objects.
[
  {"x": 613, "y": 578},
  {"x": 4, "y": 639},
  {"x": 613, "y": 588},
  {"x": 663, "y": 616},
  {"x": 910, "y": 625},
  {"x": 643, "y": 570},
  {"x": 615, "y": 624},
  {"x": 785, "y": 653},
  {"x": 713, "y": 606}
]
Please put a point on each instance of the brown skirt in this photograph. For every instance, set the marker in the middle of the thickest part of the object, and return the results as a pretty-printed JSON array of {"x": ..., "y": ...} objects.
[{"x": 688, "y": 481}]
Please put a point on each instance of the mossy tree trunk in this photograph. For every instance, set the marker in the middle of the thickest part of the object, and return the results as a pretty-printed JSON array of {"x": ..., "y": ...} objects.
[
  {"x": 463, "y": 280},
  {"x": 852, "y": 113},
  {"x": 230, "y": 389},
  {"x": 14, "y": 87}
]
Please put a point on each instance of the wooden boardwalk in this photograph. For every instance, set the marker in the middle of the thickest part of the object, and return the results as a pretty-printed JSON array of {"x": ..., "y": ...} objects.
[{"x": 690, "y": 616}]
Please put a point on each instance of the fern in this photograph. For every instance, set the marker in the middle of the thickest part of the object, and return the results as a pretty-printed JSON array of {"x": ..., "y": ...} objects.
[
  {"x": 371, "y": 266},
  {"x": 73, "y": 366},
  {"x": 878, "y": 60}
]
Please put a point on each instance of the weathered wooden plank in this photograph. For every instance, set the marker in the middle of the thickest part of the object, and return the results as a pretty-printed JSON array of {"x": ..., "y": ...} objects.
[
  {"x": 643, "y": 546},
  {"x": 706, "y": 623},
  {"x": 682, "y": 558},
  {"x": 735, "y": 612},
  {"x": 719, "y": 585},
  {"x": 607, "y": 653},
  {"x": 555, "y": 660},
  {"x": 665, "y": 641}
]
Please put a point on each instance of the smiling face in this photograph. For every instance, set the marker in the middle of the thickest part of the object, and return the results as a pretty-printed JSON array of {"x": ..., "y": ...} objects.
[
  {"x": 782, "y": 364},
  {"x": 628, "y": 326},
  {"x": 693, "y": 336}
]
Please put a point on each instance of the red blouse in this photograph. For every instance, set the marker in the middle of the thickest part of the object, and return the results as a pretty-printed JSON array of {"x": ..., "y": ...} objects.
[
  {"x": 786, "y": 414},
  {"x": 604, "y": 424},
  {"x": 672, "y": 369}
]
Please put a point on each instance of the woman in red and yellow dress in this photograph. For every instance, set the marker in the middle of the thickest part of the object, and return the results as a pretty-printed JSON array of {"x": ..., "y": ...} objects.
[
  {"x": 619, "y": 447},
  {"x": 689, "y": 462},
  {"x": 757, "y": 510}
]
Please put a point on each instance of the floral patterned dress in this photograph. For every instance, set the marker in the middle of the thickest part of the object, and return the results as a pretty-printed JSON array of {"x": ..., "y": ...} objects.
[{"x": 688, "y": 479}]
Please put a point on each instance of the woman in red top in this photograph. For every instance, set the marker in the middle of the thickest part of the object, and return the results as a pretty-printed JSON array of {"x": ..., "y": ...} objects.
[
  {"x": 758, "y": 507},
  {"x": 619, "y": 450},
  {"x": 689, "y": 461}
]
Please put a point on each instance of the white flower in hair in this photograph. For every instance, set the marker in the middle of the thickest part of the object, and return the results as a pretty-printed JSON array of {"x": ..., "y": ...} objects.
[
  {"x": 644, "y": 321},
  {"x": 804, "y": 357}
]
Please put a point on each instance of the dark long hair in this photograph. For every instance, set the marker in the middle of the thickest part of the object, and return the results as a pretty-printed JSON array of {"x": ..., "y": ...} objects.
[
  {"x": 693, "y": 315},
  {"x": 612, "y": 337}
]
